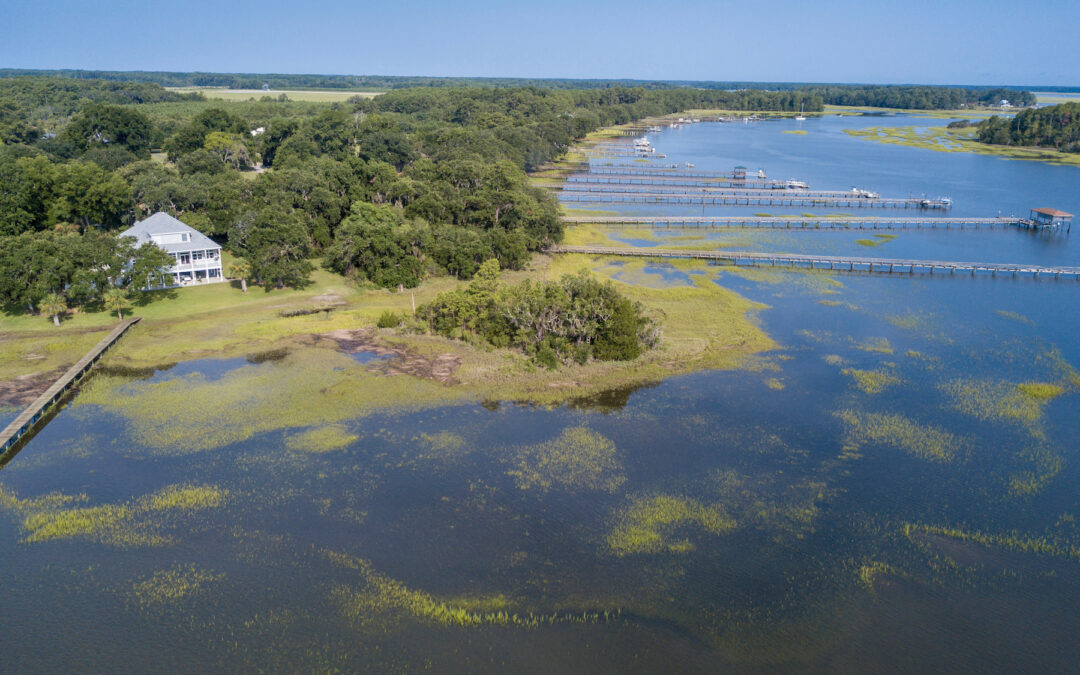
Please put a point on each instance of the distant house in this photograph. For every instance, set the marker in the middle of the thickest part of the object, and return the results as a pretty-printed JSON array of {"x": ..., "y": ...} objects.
[
  {"x": 1004, "y": 103},
  {"x": 198, "y": 258}
]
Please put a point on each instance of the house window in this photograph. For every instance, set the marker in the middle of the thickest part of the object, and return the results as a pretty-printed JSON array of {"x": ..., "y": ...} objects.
[
  {"x": 185, "y": 258},
  {"x": 184, "y": 236},
  {"x": 197, "y": 255},
  {"x": 212, "y": 255}
]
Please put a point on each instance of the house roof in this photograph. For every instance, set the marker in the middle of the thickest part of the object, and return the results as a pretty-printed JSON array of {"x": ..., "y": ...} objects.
[
  {"x": 1053, "y": 213},
  {"x": 163, "y": 223}
]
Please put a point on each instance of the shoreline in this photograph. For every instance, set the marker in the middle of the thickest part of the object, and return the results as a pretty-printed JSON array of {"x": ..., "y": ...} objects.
[{"x": 960, "y": 140}]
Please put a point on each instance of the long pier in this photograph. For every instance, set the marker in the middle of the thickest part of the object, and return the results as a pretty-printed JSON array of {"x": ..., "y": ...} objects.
[
  {"x": 609, "y": 179},
  {"x": 28, "y": 418},
  {"x": 742, "y": 190},
  {"x": 841, "y": 263},
  {"x": 798, "y": 222},
  {"x": 661, "y": 171},
  {"x": 766, "y": 198}
]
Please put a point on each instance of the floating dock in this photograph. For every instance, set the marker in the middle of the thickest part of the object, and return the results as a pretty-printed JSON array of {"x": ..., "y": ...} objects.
[
  {"x": 765, "y": 198},
  {"x": 799, "y": 222},
  {"x": 842, "y": 263},
  {"x": 26, "y": 420}
]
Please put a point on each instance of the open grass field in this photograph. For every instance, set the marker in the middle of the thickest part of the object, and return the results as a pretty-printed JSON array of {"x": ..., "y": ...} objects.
[
  {"x": 312, "y": 95},
  {"x": 704, "y": 326}
]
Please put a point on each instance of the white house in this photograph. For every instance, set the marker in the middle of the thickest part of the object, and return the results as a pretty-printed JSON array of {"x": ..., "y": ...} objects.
[{"x": 198, "y": 258}]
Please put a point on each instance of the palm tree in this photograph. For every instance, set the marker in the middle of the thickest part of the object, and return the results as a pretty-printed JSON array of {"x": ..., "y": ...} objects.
[
  {"x": 116, "y": 298},
  {"x": 53, "y": 305},
  {"x": 240, "y": 269}
]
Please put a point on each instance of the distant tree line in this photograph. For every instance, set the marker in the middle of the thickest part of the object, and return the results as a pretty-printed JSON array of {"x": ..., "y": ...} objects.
[
  {"x": 385, "y": 82},
  {"x": 1056, "y": 126},
  {"x": 918, "y": 98}
]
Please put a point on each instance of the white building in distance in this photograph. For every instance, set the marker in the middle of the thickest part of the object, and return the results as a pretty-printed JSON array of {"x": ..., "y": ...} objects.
[{"x": 198, "y": 258}]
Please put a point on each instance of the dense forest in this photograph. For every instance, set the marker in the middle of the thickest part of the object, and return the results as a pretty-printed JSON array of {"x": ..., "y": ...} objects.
[
  {"x": 416, "y": 182},
  {"x": 1056, "y": 126}
]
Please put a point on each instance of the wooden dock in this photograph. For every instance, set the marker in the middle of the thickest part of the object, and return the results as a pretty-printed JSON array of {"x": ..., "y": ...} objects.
[
  {"x": 841, "y": 263},
  {"x": 798, "y": 222},
  {"x": 673, "y": 180},
  {"x": 26, "y": 420},
  {"x": 766, "y": 198},
  {"x": 660, "y": 171},
  {"x": 741, "y": 190}
]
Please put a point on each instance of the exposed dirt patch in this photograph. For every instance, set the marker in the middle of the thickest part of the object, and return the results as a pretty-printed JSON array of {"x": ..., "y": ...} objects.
[
  {"x": 21, "y": 391},
  {"x": 400, "y": 360}
]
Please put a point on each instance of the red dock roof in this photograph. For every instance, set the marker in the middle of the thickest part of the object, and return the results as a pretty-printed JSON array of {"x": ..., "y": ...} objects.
[{"x": 1053, "y": 213}]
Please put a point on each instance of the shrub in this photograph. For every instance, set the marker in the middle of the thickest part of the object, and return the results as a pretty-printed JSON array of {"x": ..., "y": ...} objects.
[{"x": 388, "y": 319}]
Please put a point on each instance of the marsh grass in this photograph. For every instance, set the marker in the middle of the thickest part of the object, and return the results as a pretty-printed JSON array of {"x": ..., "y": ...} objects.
[
  {"x": 899, "y": 432},
  {"x": 1013, "y": 541},
  {"x": 652, "y": 524},
  {"x": 871, "y": 381},
  {"x": 140, "y": 522},
  {"x": 321, "y": 439},
  {"x": 1042, "y": 466},
  {"x": 578, "y": 459},
  {"x": 1000, "y": 401},
  {"x": 875, "y": 345},
  {"x": 942, "y": 139},
  {"x": 1013, "y": 316},
  {"x": 173, "y": 585},
  {"x": 379, "y": 596}
]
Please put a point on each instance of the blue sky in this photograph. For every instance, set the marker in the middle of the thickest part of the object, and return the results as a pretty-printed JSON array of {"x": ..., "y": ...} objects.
[{"x": 934, "y": 42}]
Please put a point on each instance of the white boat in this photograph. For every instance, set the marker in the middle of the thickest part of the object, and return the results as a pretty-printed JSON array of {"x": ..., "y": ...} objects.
[{"x": 800, "y": 117}]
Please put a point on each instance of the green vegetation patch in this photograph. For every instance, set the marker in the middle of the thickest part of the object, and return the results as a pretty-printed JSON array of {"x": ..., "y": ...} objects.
[
  {"x": 321, "y": 439},
  {"x": 173, "y": 585},
  {"x": 992, "y": 401},
  {"x": 796, "y": 132},
  {"x": 901, "y": 433},
  {"x": 877, "y": 345},
  {"x": 943, "y": 139},
  {"x": 1008, "y": 542},
  {"x": 136, "y": 523},
  {"x": 654, "y": 523},
  {"x": 1042, "y": 466},
  {"x": 308, "y": 387},
  {"x": 871, "y": 381},
  {"x": 379, "y": 596},
  {"x": 1041, "y": 391},
  {"x": 579, "y": 459}
]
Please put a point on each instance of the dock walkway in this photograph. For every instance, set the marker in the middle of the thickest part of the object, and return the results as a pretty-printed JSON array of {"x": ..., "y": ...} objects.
[
  {"x": 765, "y": 198},
  {"x": 673, "y": 180},
  {"x": 799, "y": 222},
  {"x": 840, "y": 263},
  {"x": 26, "y": 420}
]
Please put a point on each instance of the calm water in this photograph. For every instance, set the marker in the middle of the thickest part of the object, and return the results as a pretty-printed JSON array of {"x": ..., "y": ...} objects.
[{"x": 777, "y": 518}]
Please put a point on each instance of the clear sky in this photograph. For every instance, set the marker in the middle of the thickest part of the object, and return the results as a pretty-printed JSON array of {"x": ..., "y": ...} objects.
[{"x": 1026, "y": 42}]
